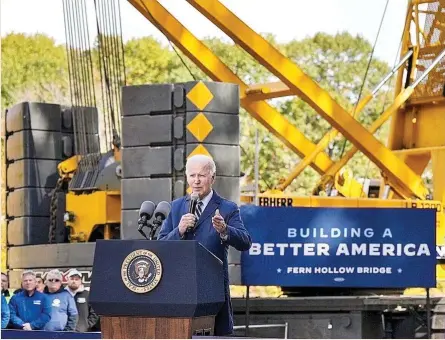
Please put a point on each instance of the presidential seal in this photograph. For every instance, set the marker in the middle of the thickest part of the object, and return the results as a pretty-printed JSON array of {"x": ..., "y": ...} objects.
[{"x": 141, "y": 271}]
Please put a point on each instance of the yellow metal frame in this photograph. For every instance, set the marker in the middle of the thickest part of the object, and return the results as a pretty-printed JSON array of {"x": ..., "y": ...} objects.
[
  {"x": 403, "y": 180},
  {"x": 268, "y": 91},
  {"x": 69, "y": 166},
  {"x": 202, "y": 56},
  {"x": 399, "y": 174},
  {"x": 415, "y": 127},
  {"x": 207, "y": 61},
  {"x": 322, "y": 144},
  {"x": 402, "y": 162},
  {"x": 89, "y": 211}
]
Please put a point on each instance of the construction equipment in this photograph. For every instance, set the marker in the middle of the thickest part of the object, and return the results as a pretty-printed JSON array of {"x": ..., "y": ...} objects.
[
  {"x": 92, "y": 176},
  {"x": 417, "y": 109},
  {"x": 421, "y": 92}
]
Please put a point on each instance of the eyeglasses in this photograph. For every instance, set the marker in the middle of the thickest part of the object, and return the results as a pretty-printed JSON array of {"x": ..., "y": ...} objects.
[{"x": 54, "y": 280}]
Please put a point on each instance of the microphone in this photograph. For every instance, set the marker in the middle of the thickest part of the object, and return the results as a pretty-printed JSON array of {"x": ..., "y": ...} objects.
[
  {"x": 162, "y": 211},
  {"x": 145, "y": 213},
  {"x": 194, "y": 197},
  {"x": 160, "y": 214}
]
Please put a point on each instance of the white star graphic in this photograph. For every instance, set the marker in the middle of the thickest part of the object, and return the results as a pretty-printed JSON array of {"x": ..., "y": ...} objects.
[
  {"x": 279, "y": 270},
  {"x": 399, "y": 270}
]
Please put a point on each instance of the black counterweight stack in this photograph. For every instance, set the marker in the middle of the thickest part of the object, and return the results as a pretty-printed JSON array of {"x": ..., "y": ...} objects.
[{"x": 38, "y": 137}]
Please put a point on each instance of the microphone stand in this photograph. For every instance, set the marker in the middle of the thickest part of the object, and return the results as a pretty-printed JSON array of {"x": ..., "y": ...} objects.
[
  {"x": 153, "y": 227},
  {"x": 157, "y": 222},
  {"x": 142, "y": 222}
]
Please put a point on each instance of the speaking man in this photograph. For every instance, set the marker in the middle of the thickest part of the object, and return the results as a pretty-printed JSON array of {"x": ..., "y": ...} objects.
[{"x": 216, "y": 225}]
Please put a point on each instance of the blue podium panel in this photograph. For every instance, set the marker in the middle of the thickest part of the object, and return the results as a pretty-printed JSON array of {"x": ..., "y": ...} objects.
[
  {"x": 340, "y": 247},
  {"x": 156, "y": 279}
]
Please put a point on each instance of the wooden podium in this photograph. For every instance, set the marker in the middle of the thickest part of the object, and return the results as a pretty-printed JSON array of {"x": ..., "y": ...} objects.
[{"x": 156, "y": 289}]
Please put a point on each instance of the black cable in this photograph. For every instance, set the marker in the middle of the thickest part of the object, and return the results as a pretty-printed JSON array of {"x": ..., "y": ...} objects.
[
  {"x": 117, "y": 60},
  {"x": 195, "y": 78},
  {"x": 365, "y": 177},
  {"x": 104, "y": 70},
  {"x": 111, "y": 60},
  {"x": 370, "y": 58},
  {"x": 99, "y": 51},
  {"x": 78, "y": 76},
  {"x": 122, "y": 46},
  {"x": 366, "y": 72},
  {"x": 112, "y": 67},
  {"x": 90, "y": 97},
  {"x": 169, "y": 41},
  {"x": 182, "y": 60}
]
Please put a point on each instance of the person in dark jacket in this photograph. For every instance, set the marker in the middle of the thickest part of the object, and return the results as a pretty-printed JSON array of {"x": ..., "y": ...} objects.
[
  {"x": 29, "y": 309},
  {"x": 216, "y": 224},
  {"x": 5, "y": 285},
  {"x": 63, "y": 308},
  {"x": 87, "y": 317},
  {"x": 5, "y": 312}
]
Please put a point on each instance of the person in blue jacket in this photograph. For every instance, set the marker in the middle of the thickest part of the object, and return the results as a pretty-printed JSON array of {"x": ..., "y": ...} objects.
[
  {"x": 64, "y": 315},
  {"x": 217, "y": 224},
  {"x": 29, "y": 309},
  {"x": 5, "y": 312}
]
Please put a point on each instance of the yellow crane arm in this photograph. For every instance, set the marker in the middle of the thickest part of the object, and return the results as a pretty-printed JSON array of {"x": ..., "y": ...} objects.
[
  {"x": 268, "y": 91},
  {"x": 395, "y": 169}
]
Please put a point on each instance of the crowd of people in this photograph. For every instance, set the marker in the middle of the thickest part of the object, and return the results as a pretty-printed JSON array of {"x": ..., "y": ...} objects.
[{"x": 48, "y": 305}]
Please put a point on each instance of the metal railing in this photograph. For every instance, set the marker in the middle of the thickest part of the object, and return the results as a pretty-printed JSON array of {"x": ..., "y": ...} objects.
[{"x": 285, "y": 325}]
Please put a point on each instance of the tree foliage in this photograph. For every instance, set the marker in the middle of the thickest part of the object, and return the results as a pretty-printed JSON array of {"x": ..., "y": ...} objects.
[
  {"x": 338, "y": 64},
  {"x": 35, "y": 68}
]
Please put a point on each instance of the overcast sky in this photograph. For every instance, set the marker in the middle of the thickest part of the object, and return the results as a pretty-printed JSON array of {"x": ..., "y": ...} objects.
[{"x": 287, "y": 19}]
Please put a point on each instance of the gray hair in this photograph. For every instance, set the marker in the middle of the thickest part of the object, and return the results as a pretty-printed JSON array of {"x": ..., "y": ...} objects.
[
  {"x": 28, "y": 273},
  {"x": 205, "y": 160},
  {"x": 54, "y": 273}
]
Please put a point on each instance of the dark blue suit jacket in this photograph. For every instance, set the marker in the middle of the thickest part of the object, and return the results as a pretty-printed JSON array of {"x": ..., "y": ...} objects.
[{"x": 205, "y": 233}]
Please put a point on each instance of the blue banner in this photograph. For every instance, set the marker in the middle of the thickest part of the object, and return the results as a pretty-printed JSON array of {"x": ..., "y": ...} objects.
[{"x": 340, "y": 247}]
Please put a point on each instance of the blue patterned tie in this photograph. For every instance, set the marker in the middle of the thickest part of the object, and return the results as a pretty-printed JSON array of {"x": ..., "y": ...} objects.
[{"x": 198, "y": 210}]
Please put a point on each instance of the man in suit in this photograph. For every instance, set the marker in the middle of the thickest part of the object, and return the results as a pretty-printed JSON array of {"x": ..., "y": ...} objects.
[{"x": 218, "y": 226}]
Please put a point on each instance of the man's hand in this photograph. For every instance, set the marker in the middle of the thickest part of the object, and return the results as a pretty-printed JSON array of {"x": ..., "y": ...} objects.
[
  {"x": 218, "y": 223},
  {"x": 187, "y": 221},
  {"x": 27, "y": 327}
]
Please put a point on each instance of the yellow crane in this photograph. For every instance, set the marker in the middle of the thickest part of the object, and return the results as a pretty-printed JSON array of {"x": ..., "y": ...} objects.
[{"x": 415, "y": 112}]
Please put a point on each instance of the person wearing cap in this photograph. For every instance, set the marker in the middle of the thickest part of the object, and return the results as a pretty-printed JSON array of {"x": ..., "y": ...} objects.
[
  {"x": 63, "y": 308},
  {"x": 87, "y": 317},
  {"x": 29, "y": 309}
]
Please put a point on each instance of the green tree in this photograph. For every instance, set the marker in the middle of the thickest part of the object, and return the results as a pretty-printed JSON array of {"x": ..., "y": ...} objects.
[
  {"x": 33, "y": 68},
  {"x": 239, "y": 61},
  {"x": 148, "y": 61},
  {"x": 337, "y": 63}
]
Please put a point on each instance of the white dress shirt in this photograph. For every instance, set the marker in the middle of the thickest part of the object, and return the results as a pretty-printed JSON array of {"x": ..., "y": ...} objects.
[{"x": 206, "y": 200}]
